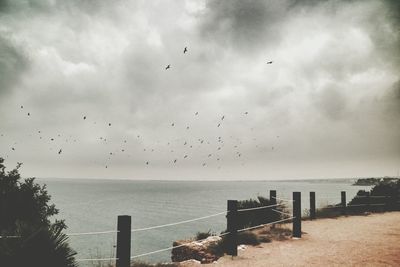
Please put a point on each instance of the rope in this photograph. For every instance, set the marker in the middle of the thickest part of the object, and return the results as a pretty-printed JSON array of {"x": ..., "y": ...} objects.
[
  {"x": 261, "y": 225},
  {"x": 176, "y": 223},
  {"x": 173, "y": 247},
  {"x": 101, "y": 259},
  {"x": 10, "y": 236},
  {"x": 258, "y": 208},
  {"x": 370, "y": 196},
  {"x": 357, "y": 205},
  {"x": 283, "y": 199},
  {"x": 330, "y": 197},
  {"x": 92, "y": 233},
  {"x": 284, "y": 213}
]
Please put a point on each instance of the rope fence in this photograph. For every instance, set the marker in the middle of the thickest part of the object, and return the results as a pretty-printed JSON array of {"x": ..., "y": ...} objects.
[{"x": 124, "y": 230}]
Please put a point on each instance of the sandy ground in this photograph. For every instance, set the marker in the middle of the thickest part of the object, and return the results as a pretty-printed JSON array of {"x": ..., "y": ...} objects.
[{"x": 372, "y": 240}]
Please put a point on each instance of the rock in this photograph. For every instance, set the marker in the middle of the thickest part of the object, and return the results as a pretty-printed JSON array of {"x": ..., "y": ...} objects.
[
  {"x": 189, "y": 263},
  {"x": 196, "y": 250}
]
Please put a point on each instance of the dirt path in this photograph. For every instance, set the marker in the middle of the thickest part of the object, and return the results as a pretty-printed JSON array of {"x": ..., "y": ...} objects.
[{"x": 372, "y": 240}]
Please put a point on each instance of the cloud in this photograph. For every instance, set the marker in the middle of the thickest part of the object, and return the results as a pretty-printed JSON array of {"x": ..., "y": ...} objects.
[
  {"x": 331, "y": 93},
  {"x": 13, "y": 62}
]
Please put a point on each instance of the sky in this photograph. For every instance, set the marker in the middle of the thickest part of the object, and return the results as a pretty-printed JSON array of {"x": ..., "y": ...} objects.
[{"x": 85, "y": 91}]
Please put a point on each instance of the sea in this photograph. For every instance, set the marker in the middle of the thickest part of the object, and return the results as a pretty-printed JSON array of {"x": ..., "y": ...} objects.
[{"x": 93, "y": 205}]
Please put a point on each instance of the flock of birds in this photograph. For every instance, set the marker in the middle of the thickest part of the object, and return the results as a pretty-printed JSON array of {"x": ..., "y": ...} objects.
[{"x": 214, "y": 151}]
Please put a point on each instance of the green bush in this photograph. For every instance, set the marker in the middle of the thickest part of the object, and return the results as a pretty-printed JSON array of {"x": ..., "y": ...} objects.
[
  {"x": 259, "y": 216},
  {"x": 25, "y": 212},
  {"x": 203, "y": 235}
]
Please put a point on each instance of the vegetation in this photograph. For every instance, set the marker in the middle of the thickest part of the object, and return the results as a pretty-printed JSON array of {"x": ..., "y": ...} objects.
[
  {"x": 384, "y": 196},
  {"x": 374, "y": 181},
  {"x": 203, "y": 235},
  {"x": 259, "y": 216},
  {"x": 25, "y": 214}
]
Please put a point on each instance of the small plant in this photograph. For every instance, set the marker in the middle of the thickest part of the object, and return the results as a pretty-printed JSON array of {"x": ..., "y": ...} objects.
[{"x": 203, "y": 235}]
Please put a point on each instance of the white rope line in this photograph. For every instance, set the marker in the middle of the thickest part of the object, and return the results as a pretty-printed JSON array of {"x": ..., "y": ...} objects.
[
  {"x": 101, "y": 259},
  {"x": 357, "y": 205},
  {"x": 176, "y": 223},
  {"x": 93, "y": 233},
  {"x": 261, "y": 225},
  {"x": 328, "y": 197},
  {"x": 284, "y": 199},
  {"x": 284, "y": 213},
  {"x": 10, "y": 236},
  {"x": 381, "y": 204},
  {"x": 371, "y": 196},
  {"x": 173, "y": 247},
  {"x": 258, "y": 208}
]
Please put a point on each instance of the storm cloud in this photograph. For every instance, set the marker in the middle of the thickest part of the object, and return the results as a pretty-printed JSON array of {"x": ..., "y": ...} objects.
[{"x": 328, "y": 105}]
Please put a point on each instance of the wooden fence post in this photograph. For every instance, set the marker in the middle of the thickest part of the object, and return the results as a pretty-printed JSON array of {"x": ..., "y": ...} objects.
[
  {"x": 232, "y": 225},
  {"x": 368, "y": 202},
  {"x": 272, "y": 197},
  {"x": 312, "y": 206},
  {"x": 272, "y": 200},
  {"x": 124, "y": 241},
  {"x": 343, "y": 202},
  {"x": 296, "y": 214}
]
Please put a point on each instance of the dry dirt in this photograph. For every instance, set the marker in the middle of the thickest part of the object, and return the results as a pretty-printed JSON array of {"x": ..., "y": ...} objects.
[{"x": 368, "y": 240}]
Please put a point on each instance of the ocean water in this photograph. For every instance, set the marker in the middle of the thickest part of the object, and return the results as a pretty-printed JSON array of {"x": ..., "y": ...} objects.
[{"x": 93, "y": 205}]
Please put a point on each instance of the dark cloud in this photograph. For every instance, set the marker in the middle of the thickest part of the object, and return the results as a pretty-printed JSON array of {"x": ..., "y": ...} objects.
[
  {"x": 13, "y": 62},
  {"x": 246, "y": 25}
]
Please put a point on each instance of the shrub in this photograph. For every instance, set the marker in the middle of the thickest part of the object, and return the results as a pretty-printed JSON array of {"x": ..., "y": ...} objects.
[
  {"x": 25, "y": 212},
  {"x": 259, "y": 216},
  {"x": 203, "y": 235}
]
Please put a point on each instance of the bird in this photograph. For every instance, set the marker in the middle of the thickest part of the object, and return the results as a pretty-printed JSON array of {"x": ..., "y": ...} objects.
[
  {"x": 175, "y": 160},
  {"x": 173, "y": 124},
  {"x": 168, "y": 67},
  {"x": 187, "y": 128},
  {"x": 22, "y": 106},
  {"x": 147, "y": 163},
  {"x": 197, "y": 113},
  {"x": 246, "y": 113},
  {"x": 84, "y": 117},
  {"x": 185, "y": 50},
  {"x": 269, "y": 62},
  {"x": 223, "y": 117},
  {"x": 29, "y": 114},
  {"x": 219, "y": 124},
  {"x": 12, "y": 148},
  {"x": 109, "y": 124},
  {"x": 185, "y": 157},
  {"x": 59, "y": 152}
]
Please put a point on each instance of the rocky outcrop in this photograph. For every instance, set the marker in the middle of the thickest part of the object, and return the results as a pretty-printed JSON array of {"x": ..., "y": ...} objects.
[{"x": 196, "y": 250}]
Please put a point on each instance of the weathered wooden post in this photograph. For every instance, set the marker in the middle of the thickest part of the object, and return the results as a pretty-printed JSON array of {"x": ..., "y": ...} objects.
[
  {"x": 232, "y": 227},
  {"x": 272, "y": 197},
  {"x": 124, "y": 241},
  {"x": 297, "y": 214},
  {"x": 367, "y": 202},
  {"x": 343, "y": 202},
  {"x": 272, "y": 200},
  {"x": 312, "y": 206}
]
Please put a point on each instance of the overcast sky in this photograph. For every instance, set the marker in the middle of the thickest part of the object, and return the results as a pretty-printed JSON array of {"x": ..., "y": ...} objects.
[{"x": 327, "y": 106}]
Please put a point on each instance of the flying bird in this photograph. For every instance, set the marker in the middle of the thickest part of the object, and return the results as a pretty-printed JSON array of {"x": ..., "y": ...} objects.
[
  {"x": 168, "y": 67},
  {"x": 223, "y": 117},
  {"x": 185, "y": 50},
  {"x": 269, "y": 62},
  {"x": 109, "y": 124},
  {"x": 22, "y": 106},
  {"x": 29, "y": 114},
  {"x": 173, "y": 124},
  {"x": 197, "y": 113},
  {"x": 59, "y": 152},
  {"x": 84, "y": 117}
]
